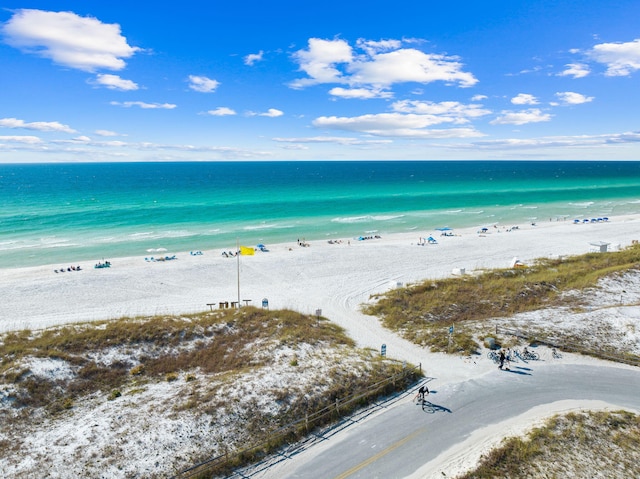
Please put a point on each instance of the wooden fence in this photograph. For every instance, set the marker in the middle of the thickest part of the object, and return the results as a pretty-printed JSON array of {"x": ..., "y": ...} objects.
[{"x": 301, "y": 427}]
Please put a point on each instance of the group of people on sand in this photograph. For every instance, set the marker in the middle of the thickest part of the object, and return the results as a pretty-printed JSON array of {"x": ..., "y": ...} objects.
[
  {"x": 69, "y": 268},
  {"x": 363, "y": 238},
  {"x": 505, "y": 357}
]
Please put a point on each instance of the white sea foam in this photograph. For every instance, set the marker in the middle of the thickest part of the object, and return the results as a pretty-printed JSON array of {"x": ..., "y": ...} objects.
[
  {"x": 351, "y": 219},
  {"x": 263, "y": 226},
  {"x": 143, "y": 235},
  {"x": 361, "y": 219},
  {"x": 585, "y": 204},
  {"x": 387, "y": 217},
  {"x": 267, "y": 226}
]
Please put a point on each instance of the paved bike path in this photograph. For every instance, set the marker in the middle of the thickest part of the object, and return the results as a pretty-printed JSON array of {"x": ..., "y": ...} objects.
[{"x": 397, "y": 442}]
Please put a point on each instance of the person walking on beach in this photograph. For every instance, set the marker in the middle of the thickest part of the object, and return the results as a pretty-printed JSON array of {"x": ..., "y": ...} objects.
[{"x": 502, "y": 358}]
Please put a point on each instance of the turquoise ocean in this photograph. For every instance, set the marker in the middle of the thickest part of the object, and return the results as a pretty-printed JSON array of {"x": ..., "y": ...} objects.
[{"x": 68, "y": 213}]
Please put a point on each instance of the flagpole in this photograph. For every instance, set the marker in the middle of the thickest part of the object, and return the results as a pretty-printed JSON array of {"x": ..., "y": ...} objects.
[{"x": 238, "y": 264}]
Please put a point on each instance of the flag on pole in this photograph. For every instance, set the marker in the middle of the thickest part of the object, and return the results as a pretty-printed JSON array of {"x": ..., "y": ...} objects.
[{"x": 246, "y": 251}]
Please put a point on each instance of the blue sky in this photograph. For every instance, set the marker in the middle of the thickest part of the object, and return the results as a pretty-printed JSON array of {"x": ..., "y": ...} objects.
[{"x": 211, "y": 80}]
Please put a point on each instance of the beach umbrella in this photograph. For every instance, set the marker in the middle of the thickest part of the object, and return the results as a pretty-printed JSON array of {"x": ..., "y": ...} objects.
[{"x": 446, "y": 228}]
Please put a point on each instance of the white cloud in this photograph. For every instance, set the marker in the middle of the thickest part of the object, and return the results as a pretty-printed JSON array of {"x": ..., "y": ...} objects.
[
  {"x": 320, "y": 59},
  {"x": 203, "y": 84},
  {"x": 479, "y": 97},
  {"x": 83, "y": 43},
  {"x": 395, "y": 125},
  {"x": 621, "y": 59},
  {"x": 576, "y": 70},
  {"x": 360, "y": 93},
  {"x": 29, "y": 140},
  {"x": 114, "y": 82},
  {"x": 253, "y": 58},
  {"x": 454, "y": 110},
  {"x": 141, "y": 104},
  {"x": 410, "y": 65},
  {"x": 581, "y": 141},
  {"x": 524, "y": 99},
  {"x": 533, "y": 115},
  {"x": 380, "y": 65},
  {"x": 340, "y": 140},
  {"x": 105, "y": 133},
  {"x": 271, "y": 113},
  {"x": 371, "y": 47},
  {"x": 379, "y": 122},
  {"x": 572, "y": 98},
  {"x": 36, "y": 125},
  {"x": 221, "y": 111}
]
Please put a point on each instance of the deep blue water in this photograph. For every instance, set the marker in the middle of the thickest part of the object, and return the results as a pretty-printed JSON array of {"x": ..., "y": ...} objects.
[{"x": 53, "y": 213}]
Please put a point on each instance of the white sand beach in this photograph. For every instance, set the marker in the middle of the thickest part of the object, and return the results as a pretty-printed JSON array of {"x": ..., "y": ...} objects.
[{"x": 335, "y": 278}]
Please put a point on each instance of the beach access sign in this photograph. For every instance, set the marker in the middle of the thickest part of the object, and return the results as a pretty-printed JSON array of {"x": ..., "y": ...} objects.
[{"x": 246, "y": 251}]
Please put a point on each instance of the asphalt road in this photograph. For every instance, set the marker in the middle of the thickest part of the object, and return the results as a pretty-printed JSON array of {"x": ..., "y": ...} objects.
[{"x": 398, "y": 441}]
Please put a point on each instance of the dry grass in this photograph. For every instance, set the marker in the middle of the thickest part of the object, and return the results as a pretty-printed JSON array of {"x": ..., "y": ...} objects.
[
  {"x": 213, "y": 343},
  {"x": 421, "y": 311},
  {"x": 208, "y": 362},
  {"x": 601, "y": 444}
]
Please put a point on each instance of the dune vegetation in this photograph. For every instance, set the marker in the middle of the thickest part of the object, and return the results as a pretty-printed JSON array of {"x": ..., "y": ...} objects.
[
  {"x": 579, "y": 445},
  {"x": 207, "y": 384},
  {"x": 421, "y": 312}
]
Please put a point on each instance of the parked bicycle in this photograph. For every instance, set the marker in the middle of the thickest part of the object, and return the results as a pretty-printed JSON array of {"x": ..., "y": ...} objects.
[
  {"x": 495, "y": 357},
  {"x": 527, "y": 355},
  {"x": 555, "y": 354}
]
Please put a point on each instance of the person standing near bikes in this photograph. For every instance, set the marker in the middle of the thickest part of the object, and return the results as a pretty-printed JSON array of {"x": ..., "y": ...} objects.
[{"x": 502, "y": 358}]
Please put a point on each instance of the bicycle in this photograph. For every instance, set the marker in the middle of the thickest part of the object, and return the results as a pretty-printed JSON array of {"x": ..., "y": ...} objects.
[
  {"x": 495, "y": 357},
  {"x": 555, "y": 354},
  {"x": 527, "y": 355}
]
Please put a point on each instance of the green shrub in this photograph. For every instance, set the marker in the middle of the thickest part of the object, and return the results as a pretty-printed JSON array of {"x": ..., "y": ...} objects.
[{"x": 114, "y": 394}]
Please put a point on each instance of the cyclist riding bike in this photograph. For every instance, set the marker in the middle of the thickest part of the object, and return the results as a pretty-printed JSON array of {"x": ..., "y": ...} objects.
[{"x": 422, "y": 392}]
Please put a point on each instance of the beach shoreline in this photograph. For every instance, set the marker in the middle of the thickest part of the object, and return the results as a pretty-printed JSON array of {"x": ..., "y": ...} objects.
[{"x": 335, "y": 277}]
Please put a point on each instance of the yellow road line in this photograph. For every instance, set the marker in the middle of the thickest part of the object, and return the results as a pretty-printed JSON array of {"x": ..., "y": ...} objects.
[{"x": 382, "y": 453}]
